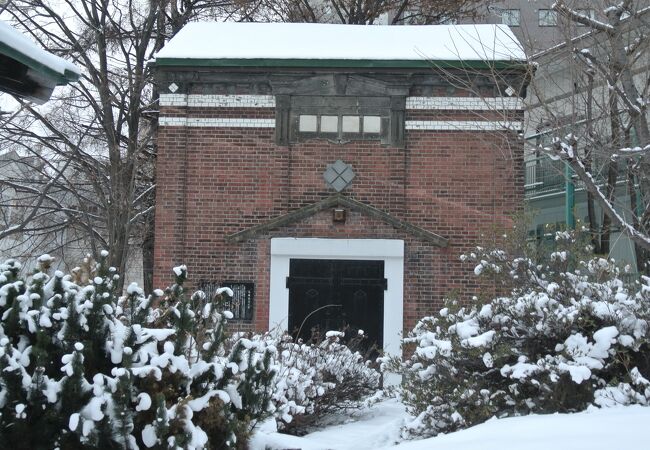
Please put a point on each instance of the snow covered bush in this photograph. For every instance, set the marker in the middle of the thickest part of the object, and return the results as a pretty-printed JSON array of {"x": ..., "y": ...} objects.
[
  {"x": 570, "y": 334},
  {"x": 82, "y": 367},
  {"x": 315, "y": 381}
]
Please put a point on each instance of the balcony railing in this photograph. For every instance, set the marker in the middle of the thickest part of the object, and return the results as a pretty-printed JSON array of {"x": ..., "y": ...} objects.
[{"x": 546, "y": 176}]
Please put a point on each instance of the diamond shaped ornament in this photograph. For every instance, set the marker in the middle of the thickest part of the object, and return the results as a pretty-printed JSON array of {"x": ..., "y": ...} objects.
[
  {"x": 330, "y": 175},
  {"x": 340, "y": 166},
  {"x": 339, "y": 175}
]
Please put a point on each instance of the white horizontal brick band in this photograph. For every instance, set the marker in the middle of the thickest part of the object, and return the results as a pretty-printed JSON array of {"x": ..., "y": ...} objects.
[
  {"x": 465, "y": 103},
  {"x": 218, "y": 101},
  {"x": 173, "y": 99},
  {"x": 462, "y": 125},
  {"x": 219, "y": 122}
]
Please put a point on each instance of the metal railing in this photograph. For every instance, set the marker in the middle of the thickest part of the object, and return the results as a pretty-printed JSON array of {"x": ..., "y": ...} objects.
[{"x": 546, "y": 176}]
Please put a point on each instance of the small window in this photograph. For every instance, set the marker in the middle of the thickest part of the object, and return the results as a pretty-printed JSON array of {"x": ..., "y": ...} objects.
[
  {"x": 547, "y": 18},
  {"x": 371, "y": 124},
  {"x": 351, "y": 124},
  {"x": 339, "y": 119},
  {"x": 308, "y": 124},
  {"x": 586, "y": 12},
  {"x": 329, "y": 124},
  {"x": 511, "y": 17}
]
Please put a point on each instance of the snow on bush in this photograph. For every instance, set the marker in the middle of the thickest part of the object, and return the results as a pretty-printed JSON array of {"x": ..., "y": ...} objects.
[
  {"x": 315, "y": 381},
  {"x": 565, "y": 338},
  {"x": 90, "y": 369},
  {"x": 81, "y": 367}
]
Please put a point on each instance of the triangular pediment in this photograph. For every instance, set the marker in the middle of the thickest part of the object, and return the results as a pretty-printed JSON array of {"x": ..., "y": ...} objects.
[{"x": 330, "y": 202}]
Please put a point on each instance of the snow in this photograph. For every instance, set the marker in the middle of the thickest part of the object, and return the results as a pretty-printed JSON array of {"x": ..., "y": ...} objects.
[
  {"x": 379, "y": 427},
  {"x": 149, "y": 437},
  {"x": 74, "y": 421},
  {"x": 144, "y": 402},
  {"x": 17, "y": 41},
  {"x": 302, "y": 41}
]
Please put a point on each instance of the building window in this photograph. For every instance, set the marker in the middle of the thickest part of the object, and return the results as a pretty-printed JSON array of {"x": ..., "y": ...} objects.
[
  {"x": 511, "y": 17},
  {"x": 547, "y": 18},
  {"x": 371, "y": 124},
  {"x": 350, "y": 124},
  {"x": 591, "y": 13},
  {"x": 329, "y": 124},
  {"x": 341, "y": 119},
  {"x": 308, "y": 124},
  {"x": 340, "y": 127}
]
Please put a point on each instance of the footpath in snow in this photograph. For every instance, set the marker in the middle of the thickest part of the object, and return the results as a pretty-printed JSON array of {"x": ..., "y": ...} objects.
[{"x": 379, "y": 427}]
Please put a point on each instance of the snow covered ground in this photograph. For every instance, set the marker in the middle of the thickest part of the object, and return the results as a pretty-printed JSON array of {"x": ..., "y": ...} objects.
[{"x": 378, "y": 427}]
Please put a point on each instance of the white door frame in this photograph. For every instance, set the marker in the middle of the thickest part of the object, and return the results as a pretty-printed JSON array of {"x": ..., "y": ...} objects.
[{"x": 391, "y": 251}]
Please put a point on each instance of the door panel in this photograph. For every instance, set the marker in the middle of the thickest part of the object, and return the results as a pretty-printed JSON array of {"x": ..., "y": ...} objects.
[{"x": 336, "y": 295}]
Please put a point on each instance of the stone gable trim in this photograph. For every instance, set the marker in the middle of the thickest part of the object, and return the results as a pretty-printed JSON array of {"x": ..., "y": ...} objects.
[
  {"x": 466, "y": 103},
  {"x": 219, "y": 101},
  {"x": 217, "y": 122},
  {"x": 463, "y": 125},
  {"x": 329, "y": 202}
]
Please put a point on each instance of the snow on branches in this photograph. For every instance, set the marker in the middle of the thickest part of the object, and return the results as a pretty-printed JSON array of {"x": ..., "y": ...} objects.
[
  {"x": 91, "y": 369},
  {"x": 568, "y": 335}
]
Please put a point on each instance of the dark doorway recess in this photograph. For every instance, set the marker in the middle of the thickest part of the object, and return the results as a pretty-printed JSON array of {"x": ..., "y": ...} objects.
[{"x": 331, "y": 294}]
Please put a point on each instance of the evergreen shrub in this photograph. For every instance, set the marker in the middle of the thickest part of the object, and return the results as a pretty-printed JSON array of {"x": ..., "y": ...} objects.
[
  {"x": 83, "y": 367},
  {"x": 569, "y": 335}
]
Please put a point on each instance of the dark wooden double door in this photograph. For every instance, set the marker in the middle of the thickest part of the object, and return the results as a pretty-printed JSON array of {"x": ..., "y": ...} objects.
[{"x": 343, "y": 295}]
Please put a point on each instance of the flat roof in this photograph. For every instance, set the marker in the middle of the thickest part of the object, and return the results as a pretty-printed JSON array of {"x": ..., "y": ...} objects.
[{"x": 228, "y": 44}]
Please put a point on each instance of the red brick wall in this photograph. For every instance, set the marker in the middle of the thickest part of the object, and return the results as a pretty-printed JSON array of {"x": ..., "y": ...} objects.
[{"x": 217, "y": 181}]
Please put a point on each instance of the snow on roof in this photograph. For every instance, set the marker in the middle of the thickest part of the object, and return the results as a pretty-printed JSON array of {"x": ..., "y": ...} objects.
[
  {"x": 19, "y": 47},
  {"x": 302, "y": 41}
]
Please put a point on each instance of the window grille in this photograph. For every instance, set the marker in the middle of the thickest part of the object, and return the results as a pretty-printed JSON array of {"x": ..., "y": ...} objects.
[{"x": 241, "y": 303}]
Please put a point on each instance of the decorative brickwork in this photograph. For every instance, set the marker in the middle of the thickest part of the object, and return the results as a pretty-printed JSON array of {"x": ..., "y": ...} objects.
[
  {"x": 220, "y": 122},
  {"x": 228, "y": 101},
  {"x": 465, "y": 103},
  {"x": 216, "y": 182}
]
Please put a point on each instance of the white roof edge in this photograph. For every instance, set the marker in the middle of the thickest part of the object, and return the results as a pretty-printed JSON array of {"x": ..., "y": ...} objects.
[
  {"x": 20, "y": 43},
  {"x": 302, "y": 41}
]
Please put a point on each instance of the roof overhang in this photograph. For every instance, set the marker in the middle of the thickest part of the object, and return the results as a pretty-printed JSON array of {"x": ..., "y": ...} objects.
[
  {"x": 338, "y": 64},
  {"x": 29, "y": 71}
]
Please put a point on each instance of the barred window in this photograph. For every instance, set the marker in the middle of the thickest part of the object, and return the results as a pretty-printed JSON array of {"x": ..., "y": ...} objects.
[{"x": 241, "y": 303}]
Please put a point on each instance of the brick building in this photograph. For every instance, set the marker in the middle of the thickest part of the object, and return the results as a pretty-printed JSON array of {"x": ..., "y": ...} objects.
[{"x": 335, "y": 168}]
